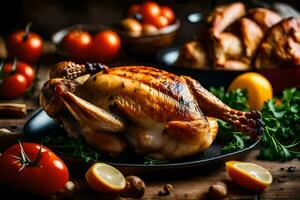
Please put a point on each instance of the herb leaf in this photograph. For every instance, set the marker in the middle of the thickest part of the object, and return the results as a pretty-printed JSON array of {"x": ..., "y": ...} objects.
[
  {"x": 150, "y": 161},
  {"x": 281, "y": 140},
  {"x": 236, "y": 99},
  {"x": 76, "y": 148}
]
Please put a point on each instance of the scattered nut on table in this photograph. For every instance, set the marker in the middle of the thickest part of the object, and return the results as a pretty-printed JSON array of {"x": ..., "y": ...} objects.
[
  {"x": 135, "y": 187},
  {"x": 166, "y": 190},
  {"x": 218, "y": 190},
  {"x": 69, "y": 190}
]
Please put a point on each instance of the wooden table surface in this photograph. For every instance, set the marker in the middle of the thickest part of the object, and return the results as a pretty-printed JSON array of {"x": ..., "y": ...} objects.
[{"x": 187, "y": 184}]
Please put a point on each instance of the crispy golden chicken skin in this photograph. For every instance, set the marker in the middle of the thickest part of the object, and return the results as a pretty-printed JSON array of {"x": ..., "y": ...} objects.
[
  {"x": 152, "y": 111},
  {"x": 240, "y": 39},
  {"x": 281, "y": 46}
]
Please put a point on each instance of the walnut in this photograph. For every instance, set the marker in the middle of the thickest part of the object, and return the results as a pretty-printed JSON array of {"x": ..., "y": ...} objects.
[
  {"x": 166, "y": 190},
  {"x": 135, "y": 187},
  {"x": 218, "y": 190}
]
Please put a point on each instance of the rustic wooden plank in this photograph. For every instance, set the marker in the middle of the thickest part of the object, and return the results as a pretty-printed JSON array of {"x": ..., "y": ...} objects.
[
  {"x": 194, "y": 184},
  {"x": 285, "y": 184},
  {"x": 12, "y": 124}
]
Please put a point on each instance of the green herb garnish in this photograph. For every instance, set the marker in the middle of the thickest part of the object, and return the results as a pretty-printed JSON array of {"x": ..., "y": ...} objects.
[
  {"x": 236, "y": 99},
  {"x": 150, "y": 161},
  {"x": 76, "y": 148},
  {"x": 234, "y": 140},
  {"x": 281, "y": 140}
]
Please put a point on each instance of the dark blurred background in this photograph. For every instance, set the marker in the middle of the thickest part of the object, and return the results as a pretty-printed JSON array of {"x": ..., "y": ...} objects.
[{"x": 48, "y": 16}]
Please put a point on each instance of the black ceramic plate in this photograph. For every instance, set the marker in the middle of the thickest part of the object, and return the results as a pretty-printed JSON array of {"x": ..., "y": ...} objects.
[{"x": 40, "y": 125}]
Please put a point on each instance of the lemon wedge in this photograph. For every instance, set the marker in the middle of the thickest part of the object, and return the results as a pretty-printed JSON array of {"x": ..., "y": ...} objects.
[
  {"x": 249, "y": 175},
  {"x": 105, "y": 178}
]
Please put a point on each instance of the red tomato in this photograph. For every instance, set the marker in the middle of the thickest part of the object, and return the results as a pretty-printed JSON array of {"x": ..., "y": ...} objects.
[
  {"x": 77, "y": 44},
  {"x": 150, "y": 11},
  {"x": 106, "y": 46},
  {"x": 134, "y": 8},
  {"x": 25, "y": 47},
  {"x": 21, "y": 68},
  {"x": 44, "y": 174},
  {"x": 160, "y": 22},
  {"x": 168, "y": 13},
  {"x": 13, "y": 86}
]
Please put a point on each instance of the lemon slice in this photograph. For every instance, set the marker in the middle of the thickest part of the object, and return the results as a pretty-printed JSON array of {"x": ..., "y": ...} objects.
[
  {"x": 105, "y": 178},
  {"x": 249, "y": 175}
]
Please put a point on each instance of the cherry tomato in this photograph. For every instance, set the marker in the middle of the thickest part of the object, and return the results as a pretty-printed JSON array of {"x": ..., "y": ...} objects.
[
  {"x": 150, "y": 11},
  {"x": 21, "y": 68},
  {"x": 160, "y": 22},
  {"x": 24, "y": 45},
  {"x": 134, "y": 8},
  {"x": 77, "y": 44},
  {"x": 106, "y": 46},
  {"x": 168, "y": 13},
  {"x": 43, "y": 173},
  {"x": 13, "y": 86}
]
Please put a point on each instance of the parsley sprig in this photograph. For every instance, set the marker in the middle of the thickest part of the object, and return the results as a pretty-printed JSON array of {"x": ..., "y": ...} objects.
[
  {"x": 281, "y": 138},
  {"x": 76, "y": 148}
]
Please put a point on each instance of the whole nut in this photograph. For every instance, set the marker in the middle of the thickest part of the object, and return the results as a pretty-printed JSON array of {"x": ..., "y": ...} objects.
[
  {"x": 166, "y": 190},
  {"x": 218, "y": 190},
  {"x": 135, "y": 187},
  {"x": 132, "y": 25}
]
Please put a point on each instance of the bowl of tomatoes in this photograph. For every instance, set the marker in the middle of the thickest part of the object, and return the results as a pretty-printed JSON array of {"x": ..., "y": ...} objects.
[
  {"x": 88, "y": 43},
  {"x": 148, "y": 28}
]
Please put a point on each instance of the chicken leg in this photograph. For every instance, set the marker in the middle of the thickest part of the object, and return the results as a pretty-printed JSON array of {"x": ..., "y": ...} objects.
[{"x": 248, "y": 122}]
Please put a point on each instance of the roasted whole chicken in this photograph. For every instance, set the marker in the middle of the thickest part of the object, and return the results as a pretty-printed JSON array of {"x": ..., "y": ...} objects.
[
  {"x": 239, "y": 39},
  {"x": 156, "y": 113}
]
